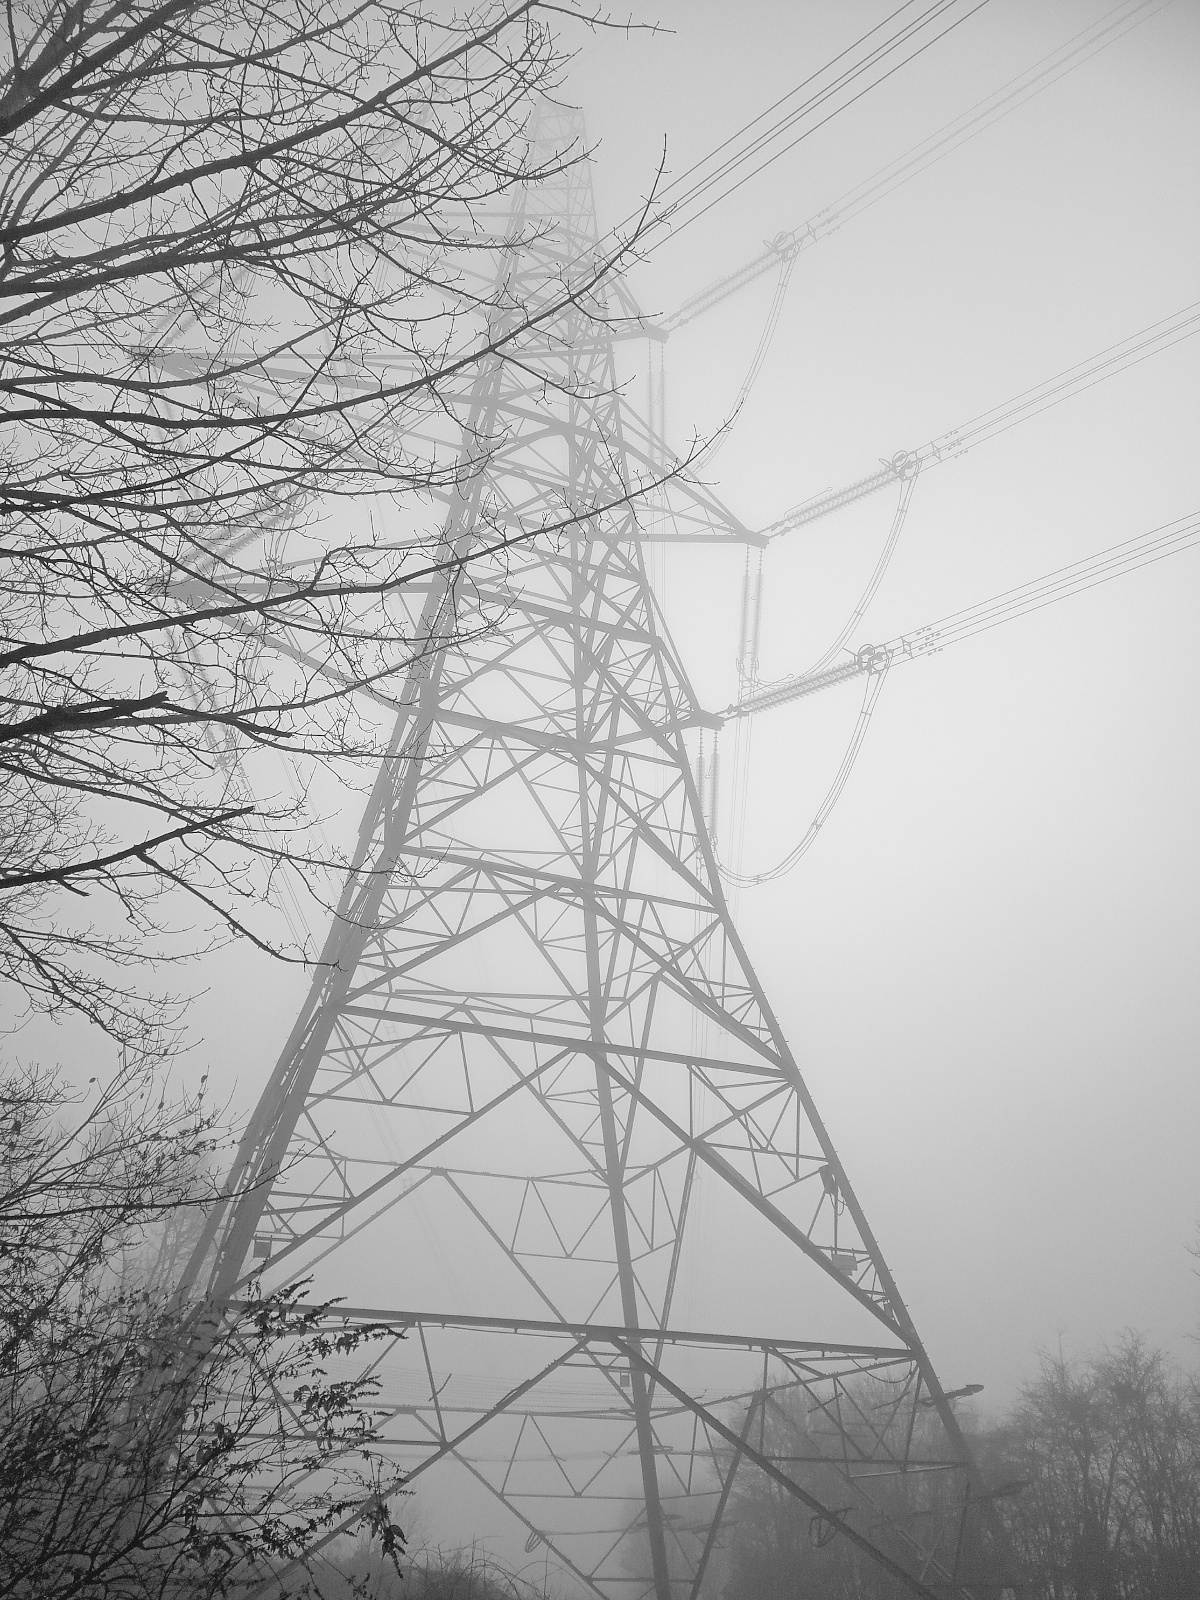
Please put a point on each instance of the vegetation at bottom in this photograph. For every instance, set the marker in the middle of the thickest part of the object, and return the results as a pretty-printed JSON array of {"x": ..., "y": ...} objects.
[
  {"x": 428, "y": 1575},
  {"x": 1091, "y": 1491},
  {"x": 153, "y": 1444},
  {"x": 248, "y": 267},
  {"x": 156, "y": 1445}
]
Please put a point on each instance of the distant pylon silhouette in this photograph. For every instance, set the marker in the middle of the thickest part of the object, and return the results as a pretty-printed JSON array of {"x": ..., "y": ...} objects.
[{"x": 537, "y": 1102}]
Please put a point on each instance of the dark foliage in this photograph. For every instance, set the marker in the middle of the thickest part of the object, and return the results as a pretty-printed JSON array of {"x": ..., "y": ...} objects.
[
  {"x": 148, "y": 1446},
  {"x": 1094, "y": 1478}
]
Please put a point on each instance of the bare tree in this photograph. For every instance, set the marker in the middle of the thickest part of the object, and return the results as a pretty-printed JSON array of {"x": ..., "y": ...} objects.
[
  {"x": 247, "y": 273},
  {"x": 780, "y": 1547},
  {"x": 1110, "y": 1448},
  {"x": 149, "y": 1447}
]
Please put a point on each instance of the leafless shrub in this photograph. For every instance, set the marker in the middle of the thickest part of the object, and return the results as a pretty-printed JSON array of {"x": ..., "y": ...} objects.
[{"x": 248, "y": 273}]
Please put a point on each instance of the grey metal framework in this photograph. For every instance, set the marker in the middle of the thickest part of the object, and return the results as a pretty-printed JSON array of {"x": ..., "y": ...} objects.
[{"x": 537, "y": 1116}]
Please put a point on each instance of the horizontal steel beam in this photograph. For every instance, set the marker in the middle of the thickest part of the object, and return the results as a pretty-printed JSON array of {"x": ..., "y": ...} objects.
[{"x": 605, "y": 1332}]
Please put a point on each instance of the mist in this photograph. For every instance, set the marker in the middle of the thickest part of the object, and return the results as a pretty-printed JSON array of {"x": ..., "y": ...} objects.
[{"x": 758, "y": 1028}]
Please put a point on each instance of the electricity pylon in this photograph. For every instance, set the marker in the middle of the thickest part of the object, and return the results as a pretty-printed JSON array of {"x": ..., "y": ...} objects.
[{"x": 537, "y": 1101}]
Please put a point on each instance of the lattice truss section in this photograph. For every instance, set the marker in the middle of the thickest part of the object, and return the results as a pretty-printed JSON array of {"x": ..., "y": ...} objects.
[
  {"x": 537, "y": 1100},
  {"x": 850, "y": 1433}
]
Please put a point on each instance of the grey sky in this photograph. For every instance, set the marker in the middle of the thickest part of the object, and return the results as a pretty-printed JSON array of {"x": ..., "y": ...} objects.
[{"x": 987, "y": 962}]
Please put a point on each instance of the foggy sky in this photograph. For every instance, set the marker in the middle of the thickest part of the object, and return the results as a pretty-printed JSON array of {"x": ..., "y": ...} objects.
[{"x": 985, "y": 966}]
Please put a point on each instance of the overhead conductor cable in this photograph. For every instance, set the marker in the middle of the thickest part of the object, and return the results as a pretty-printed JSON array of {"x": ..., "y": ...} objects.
[
  {"x": 1018, "y": 91},
  {"x": 876, "y": 660}
]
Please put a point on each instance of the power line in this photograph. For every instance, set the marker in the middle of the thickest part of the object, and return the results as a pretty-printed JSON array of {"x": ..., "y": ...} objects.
[
  {"x": 1076, "y": 578},
  {"x": 875, "y": 661},
  {"x": 1065, "y": 385},
  {"x": 1017, "y": 91},
  {"x": 671, "y": 206},
  {"x": 783, "y": 99},
  {"x": 817, "y": 103},
  {"x": 746, "y": 880}
]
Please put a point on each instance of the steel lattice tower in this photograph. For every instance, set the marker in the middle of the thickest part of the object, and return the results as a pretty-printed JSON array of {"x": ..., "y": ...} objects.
[{"x": 537, "y": 1098}]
